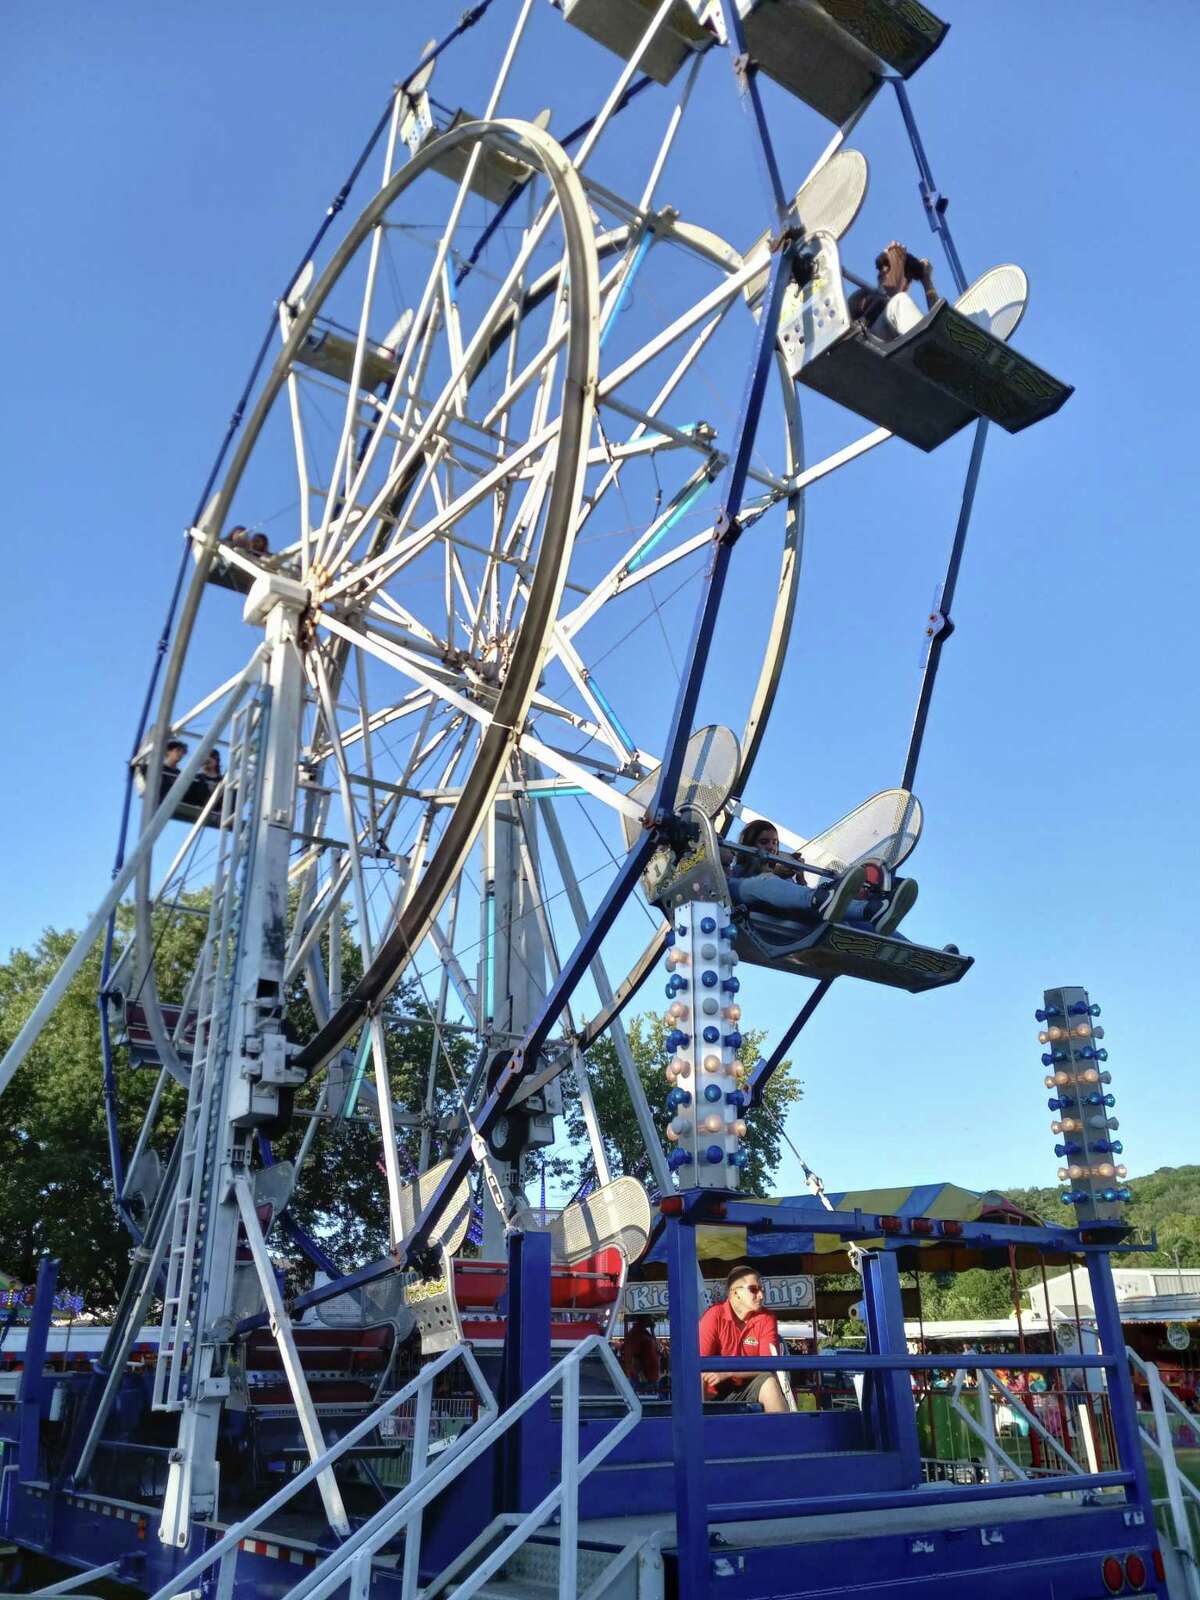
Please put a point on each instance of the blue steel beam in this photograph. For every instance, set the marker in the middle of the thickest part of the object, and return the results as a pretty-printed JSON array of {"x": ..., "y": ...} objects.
[
  {"x": 687, "y": 1423},
  {"x": 33, "y": 1375}
]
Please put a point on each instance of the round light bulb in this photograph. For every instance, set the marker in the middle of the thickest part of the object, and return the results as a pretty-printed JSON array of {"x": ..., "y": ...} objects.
[
  {"x": 1097, "y": 1033},
  {"x": 1082, "y": 1030},
  {"x": 739, "y": 1127},
  {"x": 684, "y": 1068},
  {"x": 1121, "y": 1172},
  {"x": 708, "y": 952},
  {"x": 672, "y": 1072},
  {"x": 1076, "y": 1172},
  {"x": 739, "y": 1069},
  {"x": 1089, "y": 1075},
  {"x": 1063, "y": 1172},
  {"x": 1043, "y": 1037},
  {"x": 674, "y": 1137},
  {"x": 714, "y": 1123},
  {"x": 1105, "y": 1169},
  {"x": 734, "y": 1013},
  {"x": 712, "y": 1063}
]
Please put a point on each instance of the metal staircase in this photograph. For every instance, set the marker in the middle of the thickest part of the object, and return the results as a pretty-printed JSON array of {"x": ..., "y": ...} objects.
[
  {"x": 185, "y": 1258},
  {"x": 489, "y": 1566}
]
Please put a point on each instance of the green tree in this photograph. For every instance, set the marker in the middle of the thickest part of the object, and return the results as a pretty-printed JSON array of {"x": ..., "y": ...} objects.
[
  {"x": 56, "y": 1195},
  {"x": 622, "y": 1140}
]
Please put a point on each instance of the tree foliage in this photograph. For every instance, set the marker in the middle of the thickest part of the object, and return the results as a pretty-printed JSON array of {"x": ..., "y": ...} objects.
[{"x": 622, "y": 1139}]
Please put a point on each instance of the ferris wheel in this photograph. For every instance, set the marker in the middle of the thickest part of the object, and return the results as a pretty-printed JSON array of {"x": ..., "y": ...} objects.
[{"x": 439, "y": 651}]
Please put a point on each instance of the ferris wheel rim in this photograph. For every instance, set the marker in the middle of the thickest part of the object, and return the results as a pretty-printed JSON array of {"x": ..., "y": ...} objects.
[{"x": 449, "y": 856}]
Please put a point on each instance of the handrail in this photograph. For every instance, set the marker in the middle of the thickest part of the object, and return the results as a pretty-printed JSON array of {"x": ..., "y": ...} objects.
[
  {"x": 420, "y": 1386},
  {"x": 362, "y": 1545},
  {"x": 1164, "y": 1449}
]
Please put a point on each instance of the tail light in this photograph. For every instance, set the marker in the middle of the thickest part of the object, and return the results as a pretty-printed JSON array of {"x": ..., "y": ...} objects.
[
  {"x": 950, "y": 1230},
  {"x": 1135, "y": 1571},
  {"x": 1160, "y": 1571},
  {"x": 889, "y": 1224},
  {"x": 921, "y": 1224},
  {"x": 1113, "y": 1574}
]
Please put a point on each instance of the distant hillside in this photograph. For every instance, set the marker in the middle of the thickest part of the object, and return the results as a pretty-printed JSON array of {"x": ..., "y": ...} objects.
[{"x": 1166, "y": 1202}]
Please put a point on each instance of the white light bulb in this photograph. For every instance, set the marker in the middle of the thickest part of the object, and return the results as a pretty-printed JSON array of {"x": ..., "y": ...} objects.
[
  {"x": 684, "y": 1068},
  {"x": 714, "y": 1123},
  {"x": 712, "y": 1063},
  {"x": 734, "y": 1013},
  {"x": 739, "y": 1127},
  {"x": 672, "y": 1135}
]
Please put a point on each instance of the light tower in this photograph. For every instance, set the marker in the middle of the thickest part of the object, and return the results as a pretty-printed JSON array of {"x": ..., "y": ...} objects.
[{"x": 1093, "y": 1178}]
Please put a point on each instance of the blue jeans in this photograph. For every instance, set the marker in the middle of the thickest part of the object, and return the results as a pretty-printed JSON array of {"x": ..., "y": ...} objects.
[{"x": 795, "y": 899}]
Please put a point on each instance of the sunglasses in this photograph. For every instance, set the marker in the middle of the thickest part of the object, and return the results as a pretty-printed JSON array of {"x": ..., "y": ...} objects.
[{"x": 754, "y": 1288}]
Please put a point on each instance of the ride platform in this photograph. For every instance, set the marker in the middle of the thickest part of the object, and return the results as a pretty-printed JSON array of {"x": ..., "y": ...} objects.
[{"x": 830, "y": 950}]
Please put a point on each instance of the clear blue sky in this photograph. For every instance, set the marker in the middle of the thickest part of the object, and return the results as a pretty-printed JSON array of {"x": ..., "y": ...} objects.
[{"x": 163, "y": 167}]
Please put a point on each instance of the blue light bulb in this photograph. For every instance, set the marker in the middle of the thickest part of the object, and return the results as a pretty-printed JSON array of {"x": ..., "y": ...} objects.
[
  {"x": 708, "y": 925},
  {"x": 1109, "y": 1194},
  {"x": 679, "y": 1158},
  {"x": 734, "y": 1040},
  {"x": 714, "y": 1153},
  {"x": 1051, "y": 1058},
  {"x": 670, "y": 938},
  {"x": 1048, "y": 1015},
  {"x": 729, "y": 931},
  {"x": 1125, "y": 1195},
  {"x": 712, "y": 1091},
  {"x": 735, "y": 1097},
  {"x": 1082, "y": 1009},
  {"x": 739, "y": 1159},
  {"x": 1098, "y": 1099},
  {"x": 1089, "y": 1053},
  {"x": 712, "y": 1035},
  {"x": 731, "y": 985}
]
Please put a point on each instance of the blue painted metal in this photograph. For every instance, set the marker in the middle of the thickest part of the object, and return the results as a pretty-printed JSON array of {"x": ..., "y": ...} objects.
[
  {"x": 691, "y": 1514},
  {"x": 725, "y": 535},
  {"x": 639, "y": 255},
  {"x": 746, "y": 73},
  {"x": 526, "y": 1455},
  {"x": 31, "y": 1394},
  {"x": 889, "y": 1393},
  {"x": 1112, "y": 1343},
  {"x": 934, "y": 201}
]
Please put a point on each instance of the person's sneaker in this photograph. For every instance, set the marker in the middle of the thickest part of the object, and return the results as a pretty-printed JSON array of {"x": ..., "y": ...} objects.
[
  {"x": 951, "y": 950},
  {"x": 904, "y": 897},
  {"x": 851, "y": 886}
]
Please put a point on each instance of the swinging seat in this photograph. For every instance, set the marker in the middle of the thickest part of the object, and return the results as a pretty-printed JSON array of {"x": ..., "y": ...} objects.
[
  {"x": 833, "y": 950},
  {"x": 833, "y": 54},
  {"x": 327, "y": 350},
  {"x": 620, "y": 24},
  {"x": 497, "y": 173},
  {"x": 137, "y": 1039},
  {"x": 925, "y": 385},
  {"x": 191, "y": 801}
]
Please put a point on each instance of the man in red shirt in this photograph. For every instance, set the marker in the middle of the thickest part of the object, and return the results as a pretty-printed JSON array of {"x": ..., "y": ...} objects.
[{"x": 738, "y": 1326}]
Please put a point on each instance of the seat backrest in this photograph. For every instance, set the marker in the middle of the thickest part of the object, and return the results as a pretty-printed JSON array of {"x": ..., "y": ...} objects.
[
  {"x": 996, "y": 302},
  {"x": 884, "y": 828}
]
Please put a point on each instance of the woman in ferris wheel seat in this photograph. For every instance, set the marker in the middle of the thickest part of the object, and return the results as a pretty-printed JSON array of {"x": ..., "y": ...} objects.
[
  {"x": 890, "y": 310},
  {"x": 764, "y": 882}
]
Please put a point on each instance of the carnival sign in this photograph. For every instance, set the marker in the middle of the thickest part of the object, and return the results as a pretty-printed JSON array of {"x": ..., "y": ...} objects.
[{"x": 782, "y": 1294}]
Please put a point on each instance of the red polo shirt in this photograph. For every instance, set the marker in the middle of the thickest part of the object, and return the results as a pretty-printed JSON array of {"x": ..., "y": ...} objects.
[{"x": 721, "y": 1334}]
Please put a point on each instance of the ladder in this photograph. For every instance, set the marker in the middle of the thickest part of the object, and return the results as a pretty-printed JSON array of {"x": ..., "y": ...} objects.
[{"x": 182, "y": 1313}]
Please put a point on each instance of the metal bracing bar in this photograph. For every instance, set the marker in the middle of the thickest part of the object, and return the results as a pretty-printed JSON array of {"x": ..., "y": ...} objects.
[
  {"x": 1176, "y": 1481},
  {"x": 946, "y": 628},
  {"x": 725, "y": 536},
  {"x": 509, "y": 1081},
  {"x": 261, "y": 1515},
  {"x": 604, "y": 991},
  {"x": 1024, "y": 1412},
  {"x": 78, "y": 1579},
  {"x": 281, "y": 1327},
  {"x": 934, "y": 201},
  {"x": 299, "y": 449},
  {"x": 148, "y": 1121},
  {"x": 326, "y": 536},
  {"x": 664, "y": 149},
  {"x": 328, "y": 1577},
  {"x": 58, "y": 985},
  {"x": 746, "y": 71}
]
